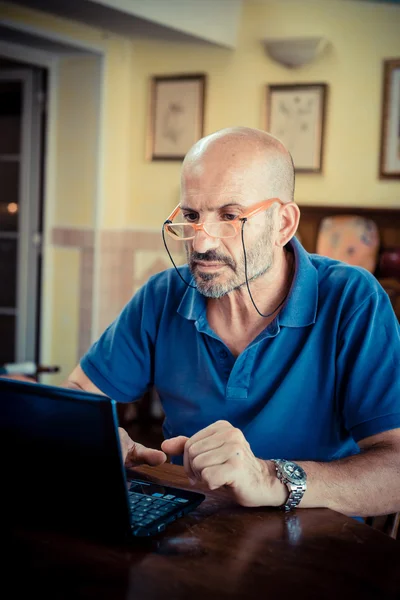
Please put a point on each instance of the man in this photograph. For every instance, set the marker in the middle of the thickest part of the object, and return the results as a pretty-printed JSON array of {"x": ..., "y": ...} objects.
[{"x": 258, "y": 350}]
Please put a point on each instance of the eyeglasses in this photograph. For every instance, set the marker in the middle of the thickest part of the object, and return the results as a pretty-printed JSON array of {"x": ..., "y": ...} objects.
[{"x": 224, "y": 229}]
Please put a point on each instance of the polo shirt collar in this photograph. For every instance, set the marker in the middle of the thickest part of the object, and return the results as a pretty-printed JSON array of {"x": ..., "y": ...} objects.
[
  {"x": 301, "y": 306},
  {"x": 300, "y": 309},
  {"x": 193, "y": 304}
]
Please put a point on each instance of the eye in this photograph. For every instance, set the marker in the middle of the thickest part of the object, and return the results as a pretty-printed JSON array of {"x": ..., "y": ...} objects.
[
  {"x": 191, "y": 217},
  {"x": 229, "y": 217}
]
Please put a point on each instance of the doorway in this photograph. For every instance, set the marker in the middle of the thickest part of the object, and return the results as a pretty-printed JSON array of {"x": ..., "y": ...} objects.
[
  {"x": 52, "y": 313},
  {"x": 23, "y": 90}
]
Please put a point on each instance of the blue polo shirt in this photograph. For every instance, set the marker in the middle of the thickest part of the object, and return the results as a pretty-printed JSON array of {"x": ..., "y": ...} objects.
[{"x": 319, "y": 378}]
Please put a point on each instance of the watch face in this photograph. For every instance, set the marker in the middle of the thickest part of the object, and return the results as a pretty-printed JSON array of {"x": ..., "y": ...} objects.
[{"x": 294, "y": 472}]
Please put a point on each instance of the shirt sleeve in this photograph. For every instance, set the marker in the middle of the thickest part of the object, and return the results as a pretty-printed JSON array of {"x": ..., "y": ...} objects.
[
  {"x": 120, "y": 363},
  {"x": 368, "y": 365}
]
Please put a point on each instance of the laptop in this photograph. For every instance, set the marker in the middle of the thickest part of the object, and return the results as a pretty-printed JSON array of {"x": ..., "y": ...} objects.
[{"x": 62, "y": 468}]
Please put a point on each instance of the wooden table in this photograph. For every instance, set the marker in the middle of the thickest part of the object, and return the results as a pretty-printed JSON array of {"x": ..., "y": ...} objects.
[{"x": 218, "y": 551}]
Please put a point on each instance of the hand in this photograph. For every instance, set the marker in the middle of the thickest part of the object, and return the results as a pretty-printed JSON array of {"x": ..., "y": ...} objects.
[
  {"x": 135, "y": 454},
  {"x": 220, "y": 455}
]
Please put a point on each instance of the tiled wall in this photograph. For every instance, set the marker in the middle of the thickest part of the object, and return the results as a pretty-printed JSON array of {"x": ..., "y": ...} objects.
[
  {"x": 82, "y": 239},
  {"x": 127, "y": 258}
]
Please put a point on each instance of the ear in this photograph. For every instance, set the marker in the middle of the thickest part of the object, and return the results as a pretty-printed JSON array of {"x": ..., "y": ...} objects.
[{"x": 289, "y": 216}]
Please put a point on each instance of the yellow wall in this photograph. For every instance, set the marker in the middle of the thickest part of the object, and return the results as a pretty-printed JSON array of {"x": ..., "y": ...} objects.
[
  {"x": 77, "y": 141},
  {"x": 65, "y": 325},
  {"x": 119, "y": 118},
  {"x": 361, "y": 35},
  {"x": 139, "y": 193}
]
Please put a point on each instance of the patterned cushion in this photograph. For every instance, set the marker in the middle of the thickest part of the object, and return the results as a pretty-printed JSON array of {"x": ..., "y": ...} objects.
[{"x": 351, "y": 239}]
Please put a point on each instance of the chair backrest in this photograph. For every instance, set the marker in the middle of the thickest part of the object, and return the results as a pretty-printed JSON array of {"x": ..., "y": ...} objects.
[
  {"x": 389, "y": 524},
  {"x": 350, "y": 238}
]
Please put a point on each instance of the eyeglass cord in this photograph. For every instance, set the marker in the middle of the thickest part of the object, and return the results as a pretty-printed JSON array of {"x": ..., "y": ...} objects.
[
  {"x": 245, "y": 272},
  {"x": 172, "y": 260},
  {"x": 247, "y": 279}
]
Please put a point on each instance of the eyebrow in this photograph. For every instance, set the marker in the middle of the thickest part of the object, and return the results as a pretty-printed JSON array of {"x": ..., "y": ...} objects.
[{"x": 214, "y": 209}]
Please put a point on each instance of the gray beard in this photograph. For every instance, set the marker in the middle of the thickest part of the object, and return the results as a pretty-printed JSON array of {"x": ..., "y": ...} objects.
[
  {"x": 218, "y": 290},
  {"x": 259, "y": 261}
]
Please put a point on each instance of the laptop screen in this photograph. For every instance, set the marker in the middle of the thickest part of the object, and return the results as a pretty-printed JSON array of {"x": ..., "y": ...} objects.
[{"x": 61, "y": 461}]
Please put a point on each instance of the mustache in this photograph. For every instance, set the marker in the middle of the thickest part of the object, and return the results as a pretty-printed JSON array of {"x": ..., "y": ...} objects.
[{"x": 212, "y": 256}]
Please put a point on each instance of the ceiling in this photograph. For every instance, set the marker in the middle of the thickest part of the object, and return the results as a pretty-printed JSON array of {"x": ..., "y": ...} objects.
[
  {"x": 16, "y": 36},
  {"x": 382, "y": 1},
  {"x": 95, "y": 13},
  {"x": 98, "y": 14}
]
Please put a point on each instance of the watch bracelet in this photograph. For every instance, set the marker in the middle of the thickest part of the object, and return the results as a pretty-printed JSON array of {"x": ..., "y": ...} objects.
[
  {"x": 293, "y": 499},
  {"x": 295, "y": 495}
]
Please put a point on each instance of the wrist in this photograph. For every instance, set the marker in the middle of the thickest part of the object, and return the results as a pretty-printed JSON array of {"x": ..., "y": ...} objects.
[
  {"x": 279, "y": 492},
  {"x": 294, "y": 477}
]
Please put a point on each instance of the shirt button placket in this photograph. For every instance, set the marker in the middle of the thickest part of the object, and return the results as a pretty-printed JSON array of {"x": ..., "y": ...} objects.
[{"x": 223, "y": 356}]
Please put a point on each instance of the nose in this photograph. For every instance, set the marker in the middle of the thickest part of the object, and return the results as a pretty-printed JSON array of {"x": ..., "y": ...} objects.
[{"x": 202, "y": 242}]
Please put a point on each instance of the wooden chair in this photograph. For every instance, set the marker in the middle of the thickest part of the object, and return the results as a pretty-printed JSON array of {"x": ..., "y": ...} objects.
[
  {"x": 388, "y": 524},
  {"x": 392, "y": 288}
]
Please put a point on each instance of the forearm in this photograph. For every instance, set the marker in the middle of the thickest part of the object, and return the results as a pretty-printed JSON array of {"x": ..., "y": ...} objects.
[
  {"x": 71, "y": 385},
  {"x": 362, "y": 485},
  {"x": 78, "y": 380}
]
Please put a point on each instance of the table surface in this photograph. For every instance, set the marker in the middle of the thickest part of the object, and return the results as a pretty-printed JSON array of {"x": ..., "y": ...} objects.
[{"x": 220, "y": 550}]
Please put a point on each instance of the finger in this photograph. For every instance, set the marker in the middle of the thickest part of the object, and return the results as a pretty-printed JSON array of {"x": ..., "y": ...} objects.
[
  {"x": 174, "y": 446},
  {"x": 217, "y": 476},
  {"x": 139, "y": 455},
  {"x": 216, "y": 427},
  {"x": 214, "y": 457},
  {"x": 195, "y": 450},
  {"x": 211, "y": 442},
  {"x": 192, "y": 476},
  {"x": 208, "y": 438}
]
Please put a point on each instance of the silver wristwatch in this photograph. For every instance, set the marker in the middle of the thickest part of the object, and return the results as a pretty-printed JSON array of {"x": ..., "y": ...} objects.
[{"x": 294, "y": 477}]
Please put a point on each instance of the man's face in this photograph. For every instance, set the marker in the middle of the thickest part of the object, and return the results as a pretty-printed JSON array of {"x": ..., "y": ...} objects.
[{"x": 218, "y": 265}]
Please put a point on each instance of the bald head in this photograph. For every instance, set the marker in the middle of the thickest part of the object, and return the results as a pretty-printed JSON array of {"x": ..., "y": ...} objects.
[{"x": 251, "y": 156}]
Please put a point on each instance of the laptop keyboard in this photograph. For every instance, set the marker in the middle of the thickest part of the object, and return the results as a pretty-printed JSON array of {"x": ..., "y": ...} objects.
[{"x": 147, "y": 509}]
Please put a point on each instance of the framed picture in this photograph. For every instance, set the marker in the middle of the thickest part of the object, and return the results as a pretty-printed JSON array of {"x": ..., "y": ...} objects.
[
  {"x": 177, "y": 115},
  {"x": 296, "y": 115},
  {"x": 390, "y": 128}
]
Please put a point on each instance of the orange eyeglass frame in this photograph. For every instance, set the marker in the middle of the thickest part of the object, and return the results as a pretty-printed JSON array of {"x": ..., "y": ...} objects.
[{"x": 251, "y": 212}]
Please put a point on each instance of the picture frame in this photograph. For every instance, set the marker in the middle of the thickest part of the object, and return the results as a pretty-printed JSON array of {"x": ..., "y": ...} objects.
[
  {"x": 389, "y": 163},
  {"x": 296, "y": 116},
  {"x": 176, "y": 115}
]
